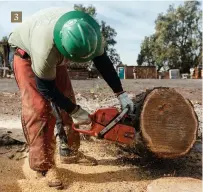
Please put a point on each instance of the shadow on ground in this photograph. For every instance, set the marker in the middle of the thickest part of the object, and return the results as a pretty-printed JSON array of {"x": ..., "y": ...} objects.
[{"x": 187, "y": 166}]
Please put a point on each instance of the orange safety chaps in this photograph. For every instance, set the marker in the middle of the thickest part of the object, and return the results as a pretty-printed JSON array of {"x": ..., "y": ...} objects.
[{"x": 37, "y": 118}]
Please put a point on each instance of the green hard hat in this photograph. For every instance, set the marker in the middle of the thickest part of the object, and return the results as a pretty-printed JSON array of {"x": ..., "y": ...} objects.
[{"x": 77, "y": 36}]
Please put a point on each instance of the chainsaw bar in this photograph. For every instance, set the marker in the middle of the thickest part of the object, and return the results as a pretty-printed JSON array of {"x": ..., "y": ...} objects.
[{"x": 112, "y": 123}]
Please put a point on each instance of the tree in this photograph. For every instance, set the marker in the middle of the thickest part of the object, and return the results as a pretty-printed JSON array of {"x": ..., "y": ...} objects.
[
  {"x": 90, "y": 9},
  {"x": 177, "y": 41},
  {"x": 4, "y": 39},
  {"x": 146, "y": 55},
  {"x": 4, "y": 53},
  {"x": 4, "y": 47},
  {"x": 108, "y": 33}
]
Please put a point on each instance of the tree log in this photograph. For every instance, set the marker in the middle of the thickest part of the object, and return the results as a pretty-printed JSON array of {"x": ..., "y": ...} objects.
[{"x": 166, "y": 122}]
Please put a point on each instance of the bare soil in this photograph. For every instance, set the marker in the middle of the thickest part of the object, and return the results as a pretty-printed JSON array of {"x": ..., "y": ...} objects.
[{"x": 118, "y": 169}]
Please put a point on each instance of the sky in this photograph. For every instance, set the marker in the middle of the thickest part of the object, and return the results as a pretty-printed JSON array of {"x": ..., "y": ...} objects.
[{"x": 132, "y": 20}]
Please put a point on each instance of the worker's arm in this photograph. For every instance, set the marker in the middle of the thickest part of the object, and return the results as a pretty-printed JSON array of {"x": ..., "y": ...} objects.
[
  {"x": 108, "y": 72},
  {"x": 48, "y": 89},
  {"x": 44, "y": 64},
  {"x": 45, "y": 75}
]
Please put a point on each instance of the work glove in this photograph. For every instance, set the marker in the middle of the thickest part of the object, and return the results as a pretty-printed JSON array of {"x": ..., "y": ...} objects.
[
  {"x": 124, "y": 101},
  {"x": 80, "y": 116}
]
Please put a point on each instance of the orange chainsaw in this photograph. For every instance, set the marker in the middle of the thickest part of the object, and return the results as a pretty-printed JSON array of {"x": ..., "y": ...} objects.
[{"x": 108, "y": 123}]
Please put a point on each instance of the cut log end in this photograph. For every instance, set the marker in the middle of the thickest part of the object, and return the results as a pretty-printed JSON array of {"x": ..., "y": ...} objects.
[{"x": 168, "y": 123}]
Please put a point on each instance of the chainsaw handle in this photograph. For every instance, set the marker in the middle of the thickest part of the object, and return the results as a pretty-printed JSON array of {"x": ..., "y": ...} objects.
[{"x": 86, "y": 132}]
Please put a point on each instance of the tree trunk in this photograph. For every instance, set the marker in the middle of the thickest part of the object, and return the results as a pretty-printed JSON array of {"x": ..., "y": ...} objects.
[
  {"x": 166, "y": 123},
  {"x": 5, "y": 58}
]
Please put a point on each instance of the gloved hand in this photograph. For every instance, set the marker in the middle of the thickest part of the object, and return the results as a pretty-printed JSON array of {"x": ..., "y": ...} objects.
[
  {"x": 125, "y": 100},
  {"x": 80, "y": 116}
]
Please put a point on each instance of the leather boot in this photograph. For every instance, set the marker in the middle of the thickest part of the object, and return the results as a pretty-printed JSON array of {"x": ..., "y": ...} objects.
[{"x": 53, "y": 179}]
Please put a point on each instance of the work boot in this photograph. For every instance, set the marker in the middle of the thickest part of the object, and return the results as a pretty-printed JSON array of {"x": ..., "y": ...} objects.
[
  {"x": 53, "y": 179},
  {"x": 69, "y": 153},
  {"x": 69, "y": 156},
  {"x": 31, "y": 174}
]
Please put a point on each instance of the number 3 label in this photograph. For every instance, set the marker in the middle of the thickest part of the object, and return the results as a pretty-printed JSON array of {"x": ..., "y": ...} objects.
[{"x": 16, "y": 16}]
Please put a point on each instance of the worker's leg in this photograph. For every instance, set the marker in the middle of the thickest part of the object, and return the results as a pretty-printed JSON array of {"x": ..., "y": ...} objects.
[
  {"x": 64, "y": 85},
  {"x": 37, "y": 121}
]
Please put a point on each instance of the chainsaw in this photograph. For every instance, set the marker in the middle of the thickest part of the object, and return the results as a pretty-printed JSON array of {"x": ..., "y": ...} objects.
[
  {"x": 110, "y": 124},
  {"x": 107, "y": 123}
]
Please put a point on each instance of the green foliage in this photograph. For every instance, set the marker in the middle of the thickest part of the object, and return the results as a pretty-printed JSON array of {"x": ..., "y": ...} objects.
[
  {"x": 109, "y": 35},
  {"x": 4, "y": 39},
  {"x": 177, "y": 41},
  {"x": 90, "y": 9},
  {"x": 2, "y": 48}
]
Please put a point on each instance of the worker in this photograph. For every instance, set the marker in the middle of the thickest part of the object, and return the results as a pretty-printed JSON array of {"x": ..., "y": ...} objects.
[
  {"x": 45, "y": 43},
  {"x": 134, "y": 73}
]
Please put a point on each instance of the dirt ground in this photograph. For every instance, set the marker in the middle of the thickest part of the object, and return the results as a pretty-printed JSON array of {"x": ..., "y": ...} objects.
[{"x": 117, "y": 170}]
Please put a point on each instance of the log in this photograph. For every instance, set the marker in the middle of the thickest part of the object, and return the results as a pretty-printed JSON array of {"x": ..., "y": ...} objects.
[{"x": 165, "y": 122}]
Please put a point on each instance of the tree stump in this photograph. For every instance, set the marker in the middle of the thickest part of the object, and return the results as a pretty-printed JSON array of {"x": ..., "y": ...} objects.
[{"x": 166, "y": 122}]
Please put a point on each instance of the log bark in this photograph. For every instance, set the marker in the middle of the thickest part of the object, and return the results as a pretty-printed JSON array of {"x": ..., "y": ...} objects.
[{"x": 166, "y": 123}]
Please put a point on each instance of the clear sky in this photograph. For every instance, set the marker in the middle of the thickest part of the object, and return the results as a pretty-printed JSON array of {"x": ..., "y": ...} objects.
[{"x": 132, "y": 20}]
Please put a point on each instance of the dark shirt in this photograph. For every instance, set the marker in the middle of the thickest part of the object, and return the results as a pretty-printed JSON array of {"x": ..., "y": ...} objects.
[{"x": 104, "y": 65}]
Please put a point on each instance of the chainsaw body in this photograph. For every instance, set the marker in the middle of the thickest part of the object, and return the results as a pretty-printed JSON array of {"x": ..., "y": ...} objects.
[{"x": 108, "y": 123}]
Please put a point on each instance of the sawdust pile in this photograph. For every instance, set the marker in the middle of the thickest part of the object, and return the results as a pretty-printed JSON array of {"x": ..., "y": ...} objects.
[
  {"x": 17, "y": 176},
  {"x": 117, "y": 170}
]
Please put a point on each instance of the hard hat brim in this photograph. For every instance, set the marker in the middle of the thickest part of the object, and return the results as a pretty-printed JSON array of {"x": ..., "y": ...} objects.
[{"x": 75, "y": 15}]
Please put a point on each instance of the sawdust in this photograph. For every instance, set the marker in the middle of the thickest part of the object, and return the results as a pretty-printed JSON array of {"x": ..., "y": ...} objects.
[
  {"x": 104, "y": 177},
  {"x": 175, "y": 184},
  {"x": 117, "y": 170}
]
